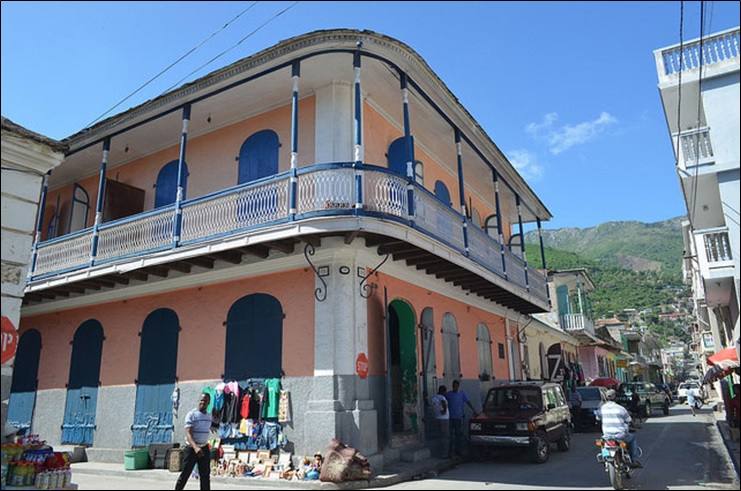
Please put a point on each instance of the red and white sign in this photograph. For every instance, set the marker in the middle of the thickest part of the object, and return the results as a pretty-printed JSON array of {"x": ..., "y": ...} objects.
[
  {"x": 361, "y": 365},
  {"x": 9, "y": 340}
]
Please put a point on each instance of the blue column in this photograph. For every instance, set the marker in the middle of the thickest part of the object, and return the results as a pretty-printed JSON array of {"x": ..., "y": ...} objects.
[
  {"x": 499, "y": 221},
  {"x": 522, "y": 239},
  {"x": 358, "y": 154},
  {"x": 293, "y": 191},
  {"x": 99, "y": 202},
  {"x": 179, "y": 195},
  {"x": 39, "y": 225},
  {"x": 542, "y": 257},
  {"x": 409, "y": 144},
  {"x": 461, "y": 187}
]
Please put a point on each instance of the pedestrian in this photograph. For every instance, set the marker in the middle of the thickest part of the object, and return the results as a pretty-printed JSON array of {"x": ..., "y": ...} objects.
[
  {"x": 197, "y": 450},
  {"x": 692, "y": 400},
  {"x": 456, "y": 399},
  {"x": 575, "y": 401},
  {"x": 442, "y": 419}
]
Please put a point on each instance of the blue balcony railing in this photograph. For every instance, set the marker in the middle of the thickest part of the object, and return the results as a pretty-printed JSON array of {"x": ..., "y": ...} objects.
[{"x": 322, "y": 190}]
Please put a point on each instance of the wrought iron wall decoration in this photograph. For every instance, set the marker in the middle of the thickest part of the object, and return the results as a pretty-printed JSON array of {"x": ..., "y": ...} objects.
[
  {"x": 319, "y": 293},
  {"x": 366, "y": 289}
]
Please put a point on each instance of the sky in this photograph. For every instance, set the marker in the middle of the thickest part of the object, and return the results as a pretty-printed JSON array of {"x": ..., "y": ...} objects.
[{"x": 567, "y": 90}]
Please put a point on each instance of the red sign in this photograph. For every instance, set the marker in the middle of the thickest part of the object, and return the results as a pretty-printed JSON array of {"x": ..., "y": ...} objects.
[
  {"x": 9, "y": 340},
  {"x": 361, "y": 365}
]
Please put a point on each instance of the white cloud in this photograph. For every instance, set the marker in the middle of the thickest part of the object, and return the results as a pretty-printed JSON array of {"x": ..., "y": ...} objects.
[
  {"x": 526, "y": 164},
  {"x": 560, "y": 139}
]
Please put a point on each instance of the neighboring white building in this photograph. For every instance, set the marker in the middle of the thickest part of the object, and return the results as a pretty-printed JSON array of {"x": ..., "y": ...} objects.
[
  {"x": 699, "y": 88},
  {"x": 26, "y": 158}
]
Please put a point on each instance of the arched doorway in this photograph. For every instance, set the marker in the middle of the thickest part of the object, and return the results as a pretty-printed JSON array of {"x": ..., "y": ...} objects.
[{"x": 403, "y": 367}]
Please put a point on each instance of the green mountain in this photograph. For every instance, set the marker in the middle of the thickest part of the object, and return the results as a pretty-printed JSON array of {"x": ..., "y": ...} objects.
[
  {"x": 631, "y": 245},
  {"x": 633, "y": 265}
]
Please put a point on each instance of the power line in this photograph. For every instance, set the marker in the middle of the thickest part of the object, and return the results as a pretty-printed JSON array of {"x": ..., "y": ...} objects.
[
  {"x": 234, "y": 46},
  {"x": 173, "y": 64}
]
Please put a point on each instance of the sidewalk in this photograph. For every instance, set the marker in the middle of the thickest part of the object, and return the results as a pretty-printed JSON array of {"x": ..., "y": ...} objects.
[
  {"x": 393, "y": 474},
  {"x": 732, "y": 445}
]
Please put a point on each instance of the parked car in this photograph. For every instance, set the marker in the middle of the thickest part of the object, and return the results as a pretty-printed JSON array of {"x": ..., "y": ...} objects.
[
  {"x": 650, "y": 397},
  {"x": 592, "y": 398},
  {"x": 667, "y": 389},
  {"x": 526, "y": 415},
  {"x": 687, "y": 385}
]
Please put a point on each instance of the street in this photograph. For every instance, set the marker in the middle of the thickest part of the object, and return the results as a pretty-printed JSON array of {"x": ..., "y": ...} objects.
[{"x": 679, "y": 452}]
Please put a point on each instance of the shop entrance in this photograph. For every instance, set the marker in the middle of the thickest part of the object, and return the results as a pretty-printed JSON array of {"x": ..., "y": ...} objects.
[{"x": 403, "y": 368}]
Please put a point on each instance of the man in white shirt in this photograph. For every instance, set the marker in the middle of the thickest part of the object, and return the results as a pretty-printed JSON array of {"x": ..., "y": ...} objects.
[
  {"x": 616, "y": 423},
  {"x": 440, "y": 407}
]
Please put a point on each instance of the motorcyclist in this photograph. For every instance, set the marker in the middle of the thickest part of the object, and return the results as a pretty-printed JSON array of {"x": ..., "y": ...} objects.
[{"x": 616, "y": 423}]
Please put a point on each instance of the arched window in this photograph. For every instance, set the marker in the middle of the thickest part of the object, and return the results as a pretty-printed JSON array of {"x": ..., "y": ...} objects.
[
  {"x": 166, "y": 188},
  {"x": 491, "y": 227},
  {"x": 419, "y": 173},
  {"x": 78, "y": 210},
  {"x": 483, "y": 341},
  {"x": 451, "y": 350},
  {"x": 258, "y": 156},
  {"x": 475, "y": 217}
]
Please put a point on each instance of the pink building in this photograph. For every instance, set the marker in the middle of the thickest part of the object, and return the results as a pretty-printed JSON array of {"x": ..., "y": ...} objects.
[{"x": 324, "y": 214}]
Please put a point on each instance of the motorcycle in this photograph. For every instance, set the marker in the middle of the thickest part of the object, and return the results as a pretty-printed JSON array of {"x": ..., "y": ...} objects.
[{"x": 614, "y": 455}]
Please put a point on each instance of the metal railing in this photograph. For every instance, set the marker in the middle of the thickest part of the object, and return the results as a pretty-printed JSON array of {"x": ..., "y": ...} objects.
[{"x": 322, "y": 190}]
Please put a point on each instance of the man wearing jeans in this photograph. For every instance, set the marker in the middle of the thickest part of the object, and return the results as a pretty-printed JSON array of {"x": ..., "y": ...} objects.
[
  {"x": 456, "y": 399},
  {"x": 197, "y": 451}
]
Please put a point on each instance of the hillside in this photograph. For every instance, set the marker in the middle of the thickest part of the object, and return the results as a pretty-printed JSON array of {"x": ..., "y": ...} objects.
[
  {"x": 631, "y": 245},
  {"x": 633, "y": 266}
]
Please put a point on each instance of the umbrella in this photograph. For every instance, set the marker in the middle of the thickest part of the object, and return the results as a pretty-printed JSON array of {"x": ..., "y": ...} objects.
[
  {"x": 605, "y": 382},
  {"x": 724, "y": 355},
  {"x": 721, "y": 364}
]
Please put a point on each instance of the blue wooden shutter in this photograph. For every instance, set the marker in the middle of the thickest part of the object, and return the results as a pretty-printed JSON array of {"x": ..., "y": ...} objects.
[
  {"x": 254, "y": 338},
  {"x": 258, "y": 156},
  {"x": 82, "y": 390},
  {"x": 25, "y": 377},
  {"x": 153, "y": 421},
  {"x": 397, "y": 156},
  {"x": 167, "y": 184}
]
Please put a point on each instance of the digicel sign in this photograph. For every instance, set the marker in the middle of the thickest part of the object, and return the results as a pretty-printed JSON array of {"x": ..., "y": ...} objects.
[{"x": 9, "y": 340}]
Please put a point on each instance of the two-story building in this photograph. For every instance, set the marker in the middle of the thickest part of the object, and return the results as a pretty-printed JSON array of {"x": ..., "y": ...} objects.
[{"x": 324, "y": 215}]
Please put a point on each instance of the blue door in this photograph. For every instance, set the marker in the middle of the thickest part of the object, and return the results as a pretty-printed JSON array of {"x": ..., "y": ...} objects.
[
  {"x": 166, "y": 188},
  {"x": 254, "y": 338},
  {"x": 25, "y": 376},
  {"x": 78, "y": 427},
  {"x": 153, "y": 422},
  {"x": 258, "y": 156}
]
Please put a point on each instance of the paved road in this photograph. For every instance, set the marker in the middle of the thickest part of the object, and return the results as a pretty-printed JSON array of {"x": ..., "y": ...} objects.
[{"x": 680, "y": 452}]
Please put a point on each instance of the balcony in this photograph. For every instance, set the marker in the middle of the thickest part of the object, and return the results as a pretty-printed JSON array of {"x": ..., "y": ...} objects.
[
  {"x": 711, "y": 53},
  {"x": 328, "y": 198},
  {"x": 577, "y": 322},
  {"x": 696, "y": 148}
]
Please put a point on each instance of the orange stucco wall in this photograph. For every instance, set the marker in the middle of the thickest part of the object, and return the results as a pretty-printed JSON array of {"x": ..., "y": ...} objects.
[
  {"x": 418, "y": 298},
  {"x": 201, "y": 344},
  {"x": 210, "y": 159}
]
